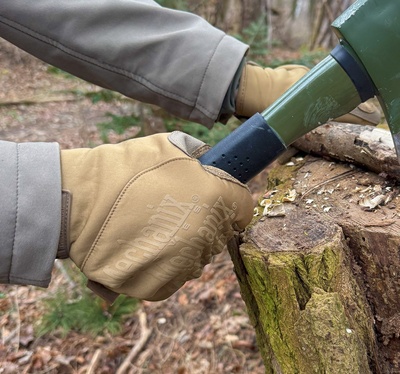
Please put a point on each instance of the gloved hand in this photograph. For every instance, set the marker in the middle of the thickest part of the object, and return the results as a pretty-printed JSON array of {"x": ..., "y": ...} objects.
[
  {"x": 146, "y": 216},
  {"x": 260, "y": 87}
]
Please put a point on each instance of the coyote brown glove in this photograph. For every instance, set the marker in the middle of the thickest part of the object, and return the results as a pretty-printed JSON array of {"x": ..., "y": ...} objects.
[
  {"x": 260, "y": 87},
  {"x": 146, "y": 216}
]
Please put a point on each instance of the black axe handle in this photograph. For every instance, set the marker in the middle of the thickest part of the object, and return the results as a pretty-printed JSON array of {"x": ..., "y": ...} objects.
[{"x": 247, "y": 150}]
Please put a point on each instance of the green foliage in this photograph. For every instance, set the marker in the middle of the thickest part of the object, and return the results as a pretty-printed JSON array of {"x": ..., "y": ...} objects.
[
  {"x": 211, "y": 137},
  {"x": 57, "y": 71},
  {"x": 307, "y": 58},
  {"x": 104, "y": 95},
  {"x": 119, "y": 124},
  {"x": 86, "y": 314},
  {"x": 174, "y": 4},
  {"x": 256, "y": 36}
]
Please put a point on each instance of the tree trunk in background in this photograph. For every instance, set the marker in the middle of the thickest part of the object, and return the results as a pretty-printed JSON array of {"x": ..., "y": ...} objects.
[
  {"x": 307, "y": 22},
  {"x": 252, "y": 10},
  {"x": 324, "y": 13},
  {"x": 232, "y": 16},
  {"x": 292, "y": 23},
  {"x": 321, "y": 280}
]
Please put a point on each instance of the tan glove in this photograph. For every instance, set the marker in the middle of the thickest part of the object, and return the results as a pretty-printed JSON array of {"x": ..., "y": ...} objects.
[
  {"x": 146, "y": 216},
  {"x": 260, "y": 87}
]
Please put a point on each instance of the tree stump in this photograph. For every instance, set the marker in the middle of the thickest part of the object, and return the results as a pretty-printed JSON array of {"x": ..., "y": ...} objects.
[{"x": 320, "y": 270}]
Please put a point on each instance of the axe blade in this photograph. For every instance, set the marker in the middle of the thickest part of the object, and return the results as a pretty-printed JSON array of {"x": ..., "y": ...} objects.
[{"x": 370, "y": 31}]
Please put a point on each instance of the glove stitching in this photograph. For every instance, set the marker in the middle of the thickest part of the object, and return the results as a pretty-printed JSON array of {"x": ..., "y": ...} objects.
[
  {"x": 224, "y": 175},
  {"x": 200, "y": 151},
  {"x": 242, "y": 93},
  {"x": 64, "y": 244},
  {"x": 203, "y": 78},
  {"x": 37, "y": 281}
]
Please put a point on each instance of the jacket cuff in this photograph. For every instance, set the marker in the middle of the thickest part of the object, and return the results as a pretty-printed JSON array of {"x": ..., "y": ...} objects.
[{"x": 30, "y": 200}]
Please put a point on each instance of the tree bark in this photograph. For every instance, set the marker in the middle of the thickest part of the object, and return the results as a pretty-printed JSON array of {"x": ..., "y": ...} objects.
[
  {"x": 365, "y": 146},
  {"x": 321, "y": 280}
]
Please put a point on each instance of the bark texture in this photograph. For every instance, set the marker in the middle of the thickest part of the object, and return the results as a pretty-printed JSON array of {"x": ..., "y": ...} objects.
[
  {"x": 321, "y": 279},
  {"x": 366, "y": 146}
]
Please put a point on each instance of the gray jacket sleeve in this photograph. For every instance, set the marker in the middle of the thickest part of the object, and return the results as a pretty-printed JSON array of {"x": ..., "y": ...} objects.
[
  {"x": 30, "y": 211},
  {"x": 172, "y": 59}
]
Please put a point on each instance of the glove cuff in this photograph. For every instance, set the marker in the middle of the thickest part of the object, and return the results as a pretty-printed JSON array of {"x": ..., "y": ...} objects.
[
  {"x": 64, "y": 242},
  {"x": 64, "y": 245},
  {"x": 101, "y": 291}
]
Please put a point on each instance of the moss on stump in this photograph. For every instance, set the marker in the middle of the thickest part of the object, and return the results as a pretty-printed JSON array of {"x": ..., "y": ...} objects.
[{"x": 299, "y": 281}]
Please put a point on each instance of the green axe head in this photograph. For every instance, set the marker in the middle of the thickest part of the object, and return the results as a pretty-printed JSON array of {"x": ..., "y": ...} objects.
[{"x": 370, "y": 31}]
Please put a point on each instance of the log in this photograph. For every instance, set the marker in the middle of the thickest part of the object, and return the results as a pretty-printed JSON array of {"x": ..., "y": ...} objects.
[
  {"x": 321, "y": 278},
  {"x": 366, "y": 146}
]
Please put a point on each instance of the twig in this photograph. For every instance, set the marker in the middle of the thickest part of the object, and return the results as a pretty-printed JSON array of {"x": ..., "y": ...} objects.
[
  {"x": 342, "y": 175},
  {"x": 94, "y": 362},
  {"x": 144, "y": 337},
  {"x": 38, "y": 100},
  {"x": 60, "y": 266},
  {"x": 18, "y": 328},
  {"x": 381, "y": 224},
  {"x": 10, "y": 336},
  {"x": 141, "y": 360},
  {"x": 269, "y": 22}
]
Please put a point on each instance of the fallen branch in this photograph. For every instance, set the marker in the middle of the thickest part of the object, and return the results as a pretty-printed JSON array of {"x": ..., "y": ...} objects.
[
  {"x": 144, "y": 337},
  {"x": 16, "y": 306},
  {"x": 94, "y": 362},
  {"x": 60, "y": 266},
  {"x": 39, "y": 100}
]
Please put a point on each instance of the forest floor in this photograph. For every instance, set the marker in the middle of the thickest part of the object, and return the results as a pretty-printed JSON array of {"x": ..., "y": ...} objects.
[{"x": 203, "y": 328}]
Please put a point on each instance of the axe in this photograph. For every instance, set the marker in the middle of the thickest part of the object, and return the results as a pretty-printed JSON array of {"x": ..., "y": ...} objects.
[{"x": 364, "y": 64}]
